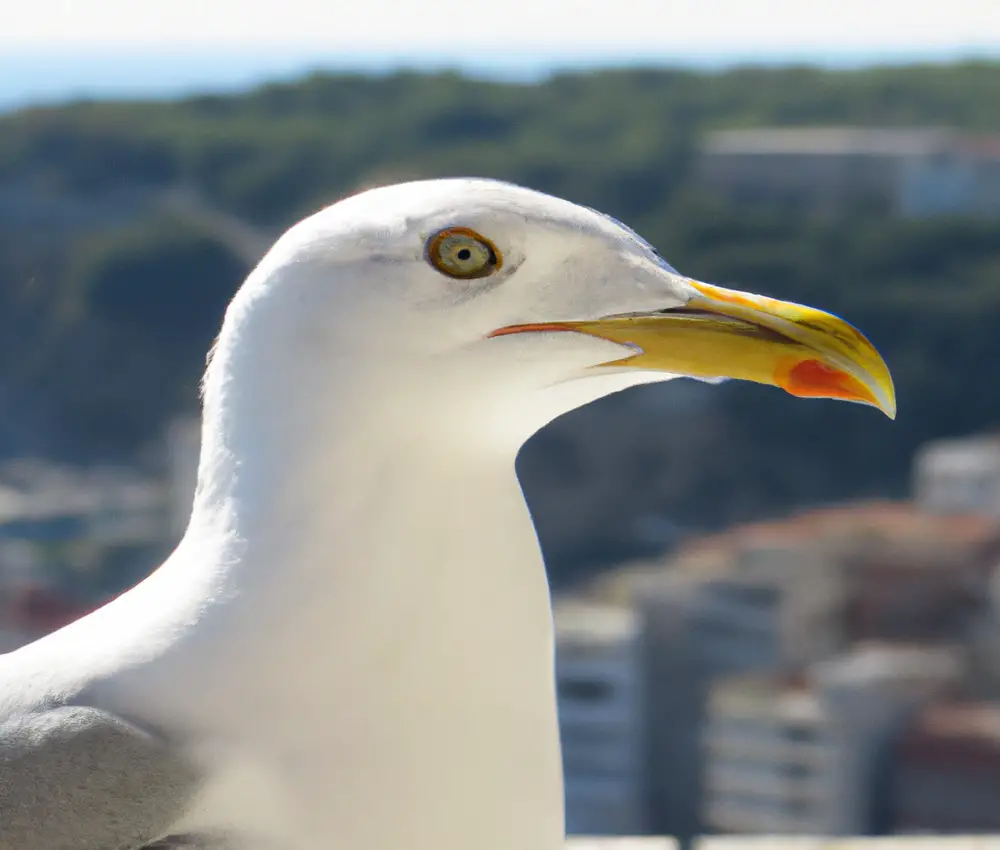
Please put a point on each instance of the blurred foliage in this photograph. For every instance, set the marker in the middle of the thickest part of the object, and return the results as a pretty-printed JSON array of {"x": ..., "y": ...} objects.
[{"x": 108, "y": 303}]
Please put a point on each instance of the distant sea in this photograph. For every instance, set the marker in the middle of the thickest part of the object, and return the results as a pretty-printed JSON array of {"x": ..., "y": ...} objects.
[{"x": 41, "y": 77}]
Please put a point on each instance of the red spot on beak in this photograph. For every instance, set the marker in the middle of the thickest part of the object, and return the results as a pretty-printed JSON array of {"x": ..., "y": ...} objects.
[{"x": 813, "y": 379}]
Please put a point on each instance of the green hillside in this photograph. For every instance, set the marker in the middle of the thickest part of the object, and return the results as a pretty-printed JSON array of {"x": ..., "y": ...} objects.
[{"x": 109, "y": 299}]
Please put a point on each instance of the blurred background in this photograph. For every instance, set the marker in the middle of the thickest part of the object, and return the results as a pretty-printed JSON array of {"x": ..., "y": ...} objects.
[{"x": 773, "y": 615}]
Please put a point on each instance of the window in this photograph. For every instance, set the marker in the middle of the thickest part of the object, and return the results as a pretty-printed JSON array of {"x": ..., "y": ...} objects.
[{"x": 585, "y": 690}]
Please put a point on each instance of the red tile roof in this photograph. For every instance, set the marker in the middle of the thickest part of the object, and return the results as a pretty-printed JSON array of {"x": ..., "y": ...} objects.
[{"x": 887, "y": 521}]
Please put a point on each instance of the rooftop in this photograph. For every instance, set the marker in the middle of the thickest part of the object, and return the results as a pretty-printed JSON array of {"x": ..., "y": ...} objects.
[
  {"x": 789, "y": 697},
  {"x": 878, "y": 661},
  {"x": 34, "y": 489},
  {"x": 583, "y": 622},
  {"x": 830, "y": 140},
  {"x": 846, "y": 141},
  {"x": 970, "y": 720},
  {"x": 891, "y": 524},
  {"x": 962, "y": 454}
]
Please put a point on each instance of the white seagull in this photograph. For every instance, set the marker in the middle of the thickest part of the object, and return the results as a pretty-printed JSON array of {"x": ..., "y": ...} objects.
[{"x": 351, "y": 648}]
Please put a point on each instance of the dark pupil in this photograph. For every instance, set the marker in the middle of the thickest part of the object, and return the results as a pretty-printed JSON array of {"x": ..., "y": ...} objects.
[{"x": 464, "y": 254}]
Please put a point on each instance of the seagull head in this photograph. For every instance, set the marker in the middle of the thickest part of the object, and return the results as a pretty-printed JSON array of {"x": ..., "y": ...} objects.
[
  {"x": 358, "y": 524},
  {"x": 503, "y": 307}
]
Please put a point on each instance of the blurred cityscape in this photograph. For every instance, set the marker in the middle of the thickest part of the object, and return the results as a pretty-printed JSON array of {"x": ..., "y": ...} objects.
[
  {"x": 833, "y": 673},
  {"x": 836, "y": 672},
  {"x": 772, "y": 616}
]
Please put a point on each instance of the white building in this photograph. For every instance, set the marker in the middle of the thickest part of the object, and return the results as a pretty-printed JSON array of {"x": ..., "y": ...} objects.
[
  {"x": 71, "y": 536},
  {"x": 912, "y": 171},
  {"x": 780, "y": 605},
  {"x": 696, "y": 630},
  {"x": 960, "y": 476},
  {"x": 599, "y": 686},
  {"x": 767, "y": 761},
  {"x": 808, "y": 755},
  {"x": 105, "y": 505}
]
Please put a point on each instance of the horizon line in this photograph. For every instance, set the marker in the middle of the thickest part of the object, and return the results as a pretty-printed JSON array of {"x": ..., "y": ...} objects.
[{"x": 49, "y": 76}]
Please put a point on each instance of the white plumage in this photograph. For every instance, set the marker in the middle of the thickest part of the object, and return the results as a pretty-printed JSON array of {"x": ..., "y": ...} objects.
[{"x": 352, "y": 645}]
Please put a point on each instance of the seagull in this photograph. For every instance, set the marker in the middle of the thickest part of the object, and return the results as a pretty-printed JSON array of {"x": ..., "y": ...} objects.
[{"x": 352, "y": 645}]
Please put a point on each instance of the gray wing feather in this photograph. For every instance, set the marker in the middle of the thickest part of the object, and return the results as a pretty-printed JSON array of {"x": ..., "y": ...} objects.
[{"x": 78, "y": 778}]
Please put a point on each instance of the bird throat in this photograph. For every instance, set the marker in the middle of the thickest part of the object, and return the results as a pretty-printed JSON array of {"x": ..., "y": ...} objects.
[{"x": 393, "y": 595}]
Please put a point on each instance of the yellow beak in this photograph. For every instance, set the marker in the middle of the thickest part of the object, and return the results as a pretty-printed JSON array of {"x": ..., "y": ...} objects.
[{"x": 722, "y": 333}]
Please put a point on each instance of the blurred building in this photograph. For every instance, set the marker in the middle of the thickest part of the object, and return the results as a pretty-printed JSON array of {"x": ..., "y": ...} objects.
[
  {"x": 868, "y": 695},
  {"x": 947, "y": 774},
  {"x": 958, "y": 476},
  {"x": 807, "y": 754},
  {"x": 33, "y": 612},
  {"x": 780, "y": 604},
  {"x": 852, "y": 614},
  {"x": 775, "y": 610},
  {"x": 19, "y": 564},
  {"x": 46, "y": 502},
  {"x": 862, "y": 571},
  {"x": 767, "y": 764},
  {"x": 918, "y": 577},
  {"x": 919, "y": 171},
  {"x": 599, "y": 685},
  {"x": 183, "y": 449},
  {"x": 71, "y": 538}
]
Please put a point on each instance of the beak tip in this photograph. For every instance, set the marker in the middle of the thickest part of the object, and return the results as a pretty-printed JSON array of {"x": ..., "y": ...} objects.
[
  {"x": 888, "y": 403},
  {"x": 885, "y": 401}
]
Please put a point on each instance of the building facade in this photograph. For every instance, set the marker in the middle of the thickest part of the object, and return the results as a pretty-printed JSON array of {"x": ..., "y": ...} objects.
[
  {"x": 947, "y": 773},
  {"x": 809, "y": 754},
  {"x": 914, "y": 172},
  {"x": 599, "y": 683}
]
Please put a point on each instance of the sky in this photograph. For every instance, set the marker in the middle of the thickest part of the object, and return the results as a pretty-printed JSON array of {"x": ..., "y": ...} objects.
[
  {"x": 488, "y": 26},
  {"x": 58, "y": 48}
]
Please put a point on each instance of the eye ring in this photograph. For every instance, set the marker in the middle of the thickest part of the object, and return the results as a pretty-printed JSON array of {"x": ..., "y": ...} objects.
[{"x": 461, "y": 253}]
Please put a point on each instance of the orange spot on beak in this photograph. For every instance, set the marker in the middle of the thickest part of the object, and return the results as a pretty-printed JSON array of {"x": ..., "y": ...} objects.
[{"x": 813, "y": 379}]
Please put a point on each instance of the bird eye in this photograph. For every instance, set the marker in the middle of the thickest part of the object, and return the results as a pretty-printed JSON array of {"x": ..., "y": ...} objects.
[{"x": 463, "y": 253}]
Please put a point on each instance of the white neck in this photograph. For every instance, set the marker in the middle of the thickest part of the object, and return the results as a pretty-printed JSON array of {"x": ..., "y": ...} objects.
[{"x": 378, "y": 617}]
